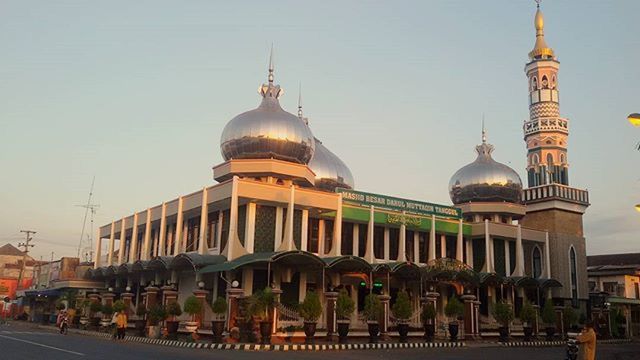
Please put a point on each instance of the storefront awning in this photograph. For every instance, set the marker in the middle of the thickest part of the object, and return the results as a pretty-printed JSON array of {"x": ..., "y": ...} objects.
[
  {"x": 194, "y": 261},
  {"x": 623, "y": 300},
  {"x": 160, "y": 263},
  {"x": 489, "y": 278},
  {"x": 523, "y": 281},
  {"x": 348, "y": 263},
  {"x": 549, "y": 283},
  {"x": 294, "y": 258}
]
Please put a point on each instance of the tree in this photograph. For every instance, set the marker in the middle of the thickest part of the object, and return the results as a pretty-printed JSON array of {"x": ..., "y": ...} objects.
[
  {"x": 344, "y": 305},
  {"x": 372, "y": 307},
  {"x": 192, "y": 306},
  {"x": 402, "y": 309},
  {"x": 219, "y": 307},
  {"x": 454, "y": 308},
  {"x": 527, "y": 313},
  {"x": 503, "y": 313},
  {"x": 311, "y": 308},
  {"x": 428, "y": 313},
  {"x": 118, "y": 306},
  {"x": 548, "y": 313}
]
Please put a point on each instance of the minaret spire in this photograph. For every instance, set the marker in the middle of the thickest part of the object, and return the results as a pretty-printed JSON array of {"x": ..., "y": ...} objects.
[
  {"x": 540, "y": 49},
  {"x": 271, "y": 65},
  {"x": 270, "y": 90},
  {"x": 300, "y": 113},
  {"x": 484, "y": 132}
]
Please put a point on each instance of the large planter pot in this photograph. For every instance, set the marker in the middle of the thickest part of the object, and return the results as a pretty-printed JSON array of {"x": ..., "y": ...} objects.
[
  {"x": 172, "y": 329},
  {"x": 140, "y": 327},
  {"x": 84, "y": 321},
  {"x": 245, "y": 329},
  {"x": 191, "y": 326},
  {"x": 528, "y": 332},
  {"x": 429, "y": 332},
  {"x": 217, "y": 328},
  {"x": 550, "y": 331},
  {"x": 403, "y": 331},
  {"x": 343, "y": 331},
  {"x": 504, "y": 333},
  {"x": 105, "y": 323},
  {"x": 309, "y": 332},
  {"x": 374, "y": 329},
  {"x": 453, "y": 331},
  {"x": 154, "y": 331},
  {"x": 265, "y": 332}
]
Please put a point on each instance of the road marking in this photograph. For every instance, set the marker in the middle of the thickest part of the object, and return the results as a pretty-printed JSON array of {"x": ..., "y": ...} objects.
[{"x": 45, "y": 346}]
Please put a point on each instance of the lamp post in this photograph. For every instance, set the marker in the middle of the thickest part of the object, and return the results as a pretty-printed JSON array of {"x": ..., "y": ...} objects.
[{"x": 634, "y": 119}]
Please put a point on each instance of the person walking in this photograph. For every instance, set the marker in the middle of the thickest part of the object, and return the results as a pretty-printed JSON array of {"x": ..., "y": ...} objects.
[
  {"x": 114, "y": 326},
  {"x": 121, "y": 323},
  {"x": 588, "y": 338}
]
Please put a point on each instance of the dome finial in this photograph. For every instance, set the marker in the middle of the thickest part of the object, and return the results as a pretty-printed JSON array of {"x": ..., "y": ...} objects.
[
  {"x": 540, "y": 49},
  {"x": 269, "y": 90},
  {"x": 271, "y": 65},
  {"x": 300, "y": 113},
  {"x": 484, "y": 132}
]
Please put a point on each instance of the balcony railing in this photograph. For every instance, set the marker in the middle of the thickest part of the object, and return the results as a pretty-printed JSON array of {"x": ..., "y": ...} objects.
[{"x": 557, "y": 191}]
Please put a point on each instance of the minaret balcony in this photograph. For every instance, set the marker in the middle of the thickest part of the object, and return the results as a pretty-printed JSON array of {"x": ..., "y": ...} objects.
[
  {"x": 555, "y": 192},
  {"x": 546, "y": 124}
]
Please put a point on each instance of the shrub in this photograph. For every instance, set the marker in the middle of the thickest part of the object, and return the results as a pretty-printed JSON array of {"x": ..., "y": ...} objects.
[
  {"x": 141, "y": 310},
  {"x": 219, "y": 306},
  {"x": 60, "y": 305},
  {"x": 95, "y": 307},
  {"x": 107, "y": 309},
  {"x": 173, "y": 309},
  {"x": 344, "y": 305},
  {"x": 261, "y": 303},
  {"x": 428, "y": 313},
  {"x": 527, "y": 313},
  {"x": 454, "y": 308},
  {"x": 311, "y": 308},
  {"x": 569, "y": 317},
  {"x": 192, "y": 306},
  {"x": 402, "y": 309},
  {"x": 548, "y": 313},
  {"x": 118, "y": 306},
  {"x": 503, "y": 313},
  {"x": 372, "y": 307},
  {"x": 157, "y": 313}
]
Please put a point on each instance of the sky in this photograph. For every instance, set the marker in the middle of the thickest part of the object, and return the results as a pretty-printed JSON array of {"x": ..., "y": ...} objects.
[{"x": 136, "y": 93}]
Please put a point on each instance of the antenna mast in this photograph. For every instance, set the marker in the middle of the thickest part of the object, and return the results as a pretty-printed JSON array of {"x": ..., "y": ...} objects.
[{"x": 88, "y": 207}]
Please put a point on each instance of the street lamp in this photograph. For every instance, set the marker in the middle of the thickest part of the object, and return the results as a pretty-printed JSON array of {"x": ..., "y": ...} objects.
[
  {"x": 638, "y": 208},
  {"x": 634, "y": 119}
]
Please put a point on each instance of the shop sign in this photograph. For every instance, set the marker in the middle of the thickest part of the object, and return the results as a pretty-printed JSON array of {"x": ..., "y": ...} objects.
[{"x": 392, "y": 203}]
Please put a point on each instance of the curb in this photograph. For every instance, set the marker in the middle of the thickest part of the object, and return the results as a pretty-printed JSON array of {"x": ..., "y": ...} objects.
[
  {"x": 533, "y": 343},
  {"x": 285, "y": 347}
]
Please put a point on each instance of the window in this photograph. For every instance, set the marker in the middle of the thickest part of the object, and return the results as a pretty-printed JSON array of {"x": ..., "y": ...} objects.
[
  {"x": 534, "y": 84},
  {"x": 378, "y": 242},
  {"x": 574, "y": 276},
  {"x": 549, "y": 158},
  {"x": 536, "y": 263},
  {"x": 545, "y": 82},
  {"x": 212, "y": 229}
]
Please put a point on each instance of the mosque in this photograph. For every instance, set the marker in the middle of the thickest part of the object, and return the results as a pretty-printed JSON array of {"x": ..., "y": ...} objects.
[{"x": 285, "y": 212}]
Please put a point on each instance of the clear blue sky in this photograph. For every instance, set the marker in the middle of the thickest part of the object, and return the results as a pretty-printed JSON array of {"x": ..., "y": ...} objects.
[{"x": 138, "y": 92}]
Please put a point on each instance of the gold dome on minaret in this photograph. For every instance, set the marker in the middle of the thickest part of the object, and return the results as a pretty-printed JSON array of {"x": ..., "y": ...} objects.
[{"x": 540, "y": 50}]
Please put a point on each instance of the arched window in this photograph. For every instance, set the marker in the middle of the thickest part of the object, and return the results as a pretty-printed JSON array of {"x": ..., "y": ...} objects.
[
  {"x": 545, "y": 82},
  {"x": 573, "y": 267},
  {"x": 535, "y": 159},
  {"x": 562, "y": 159},
  {"x": 549, "y": 160},
  {"x": 553, "y": 82},
  {"x": 536, "y": 262},
  {"x": 534, "y": 83}
]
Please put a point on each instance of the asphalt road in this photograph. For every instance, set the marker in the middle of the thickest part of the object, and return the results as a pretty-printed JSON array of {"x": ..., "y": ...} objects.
[{"x": 19, "y": 341}]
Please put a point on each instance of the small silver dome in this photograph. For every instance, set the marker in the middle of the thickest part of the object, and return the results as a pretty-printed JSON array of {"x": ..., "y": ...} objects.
[
  {"x": 485, "y": 180},
  {"x": 267, "y": 132},
  {"x": 331, "y": 172}
]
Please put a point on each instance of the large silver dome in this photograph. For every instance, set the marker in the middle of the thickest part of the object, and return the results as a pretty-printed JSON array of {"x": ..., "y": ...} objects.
[
  {"x": 331, "y": 172},
  {"x": 268, "y": 131},
  {"x": 485, "y": 180}
]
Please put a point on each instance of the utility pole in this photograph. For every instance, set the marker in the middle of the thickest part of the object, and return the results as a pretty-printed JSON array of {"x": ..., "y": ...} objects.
[
  {"x": 26, "y": 245},
  {"x": 50, "y": 268}
]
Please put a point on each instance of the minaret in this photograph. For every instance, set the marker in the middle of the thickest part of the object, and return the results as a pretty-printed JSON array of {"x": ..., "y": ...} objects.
[
  {"x": 545, "y": 133},
  {"x": 552, "y": 205}
]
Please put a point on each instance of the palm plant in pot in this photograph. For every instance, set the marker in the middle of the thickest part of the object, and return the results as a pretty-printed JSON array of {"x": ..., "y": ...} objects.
[
  {"x": 173, "y": 311},
  {"x": 261, "y": 305},
  {"x": 156, "y": 315},
  {"x": 94, "y": 310},
  {"x": 527, "y": 316},
  {"x": 344, "y": 309},
  {"x": 81, "y": 307},
  {"x": 428, "y": 317},
  {"x": 310, "y": 310},
  {"x": 140, "y": 322},
  {"x": 219, "y": 309},
  {"x": 453, "y": 310},
  {"x": 503, "y": 313},
  {"x": 549, "y": 319},
  {"x": 193, "y": 307},
  {"x": 372, "y": 312},
  {"x": 107, "y": 312},
  {"x": 402, "y": 311}
]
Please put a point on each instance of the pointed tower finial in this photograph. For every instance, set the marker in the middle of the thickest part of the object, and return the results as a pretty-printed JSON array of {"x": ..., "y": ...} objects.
[
  {"x": 484, "y": 132},
  {"x": 270, "y": 90},
  {"x": 271, "y": 65},
  {"x": 540, "y": 49},
  {"x": 300, "y": 100}
]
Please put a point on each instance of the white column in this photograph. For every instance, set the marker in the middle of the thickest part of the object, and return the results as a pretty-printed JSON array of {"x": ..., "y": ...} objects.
[
  {"x": 133, "y": 250},
  {"x": 432, "y": 240},
  {"x": 123, "y": 241},
  {"x": 219, "y": 231},
  {"x": 250, "y": 227},
  {"x": 487, "y": 244},
  {"x": 507, "y": 258},
  {"x": 519, "y": 270},
  {"x": 234, "y": 248},
  {"x": 163, "y": 230},
  {"x": 460, "y": 242},
  {"x": 278, "y": 232},
  {"x": 156, "y": 244},
  {"x": 287, "y": 240},
  {"x": 204, "y": 220},
  {"x": 147, "y": 237},
  {"x": 547, "y": 256},
  {"x": 402, "y": 241},
  {"x": 385, "y": 243},
  {"x": 96, "y": 260},
  {"x": 321, "y": 237},
  {"x": 416, "y": 246},
  {"x": 469, "y": 244},
  {"x": 112, "y": 239},
  {"x": 368, "y": 253},
  {"x": 304, "y": 239},
  {"x": 443, "y": 246},
  {"x": 302, "y": 286},
  {"x": 336, "y": 249},
  {"x": 177, "y": 234},
  {"x": 247, "y": 281},
  {"x": 356, "y": 239}
]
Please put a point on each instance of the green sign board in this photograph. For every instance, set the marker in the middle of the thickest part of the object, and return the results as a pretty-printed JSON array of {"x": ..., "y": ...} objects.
[{"x": 393, "y": 203}]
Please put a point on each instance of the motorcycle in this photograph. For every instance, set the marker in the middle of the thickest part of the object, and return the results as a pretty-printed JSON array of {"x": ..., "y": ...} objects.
[
  {"x": 64, "y": 325},
  {"x": 572, "y": 349}
]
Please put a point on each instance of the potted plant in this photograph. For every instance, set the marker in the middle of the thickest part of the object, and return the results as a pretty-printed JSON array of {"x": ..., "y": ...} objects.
[
  {"x": 156, "y": 314},
  {"x": 549, "y": 319},
  {"x": 140, "y": 322},
  {"x": 82, "y": 309},
  {"x": 261, "y": 306},
  {"x": 428, "y": 316},
  {"x": 453, "y": 310},
  {"x": 118, "y": 306},
  {"x": 344, "y": 309},
  {"x": 569, "y": 318},
  {"x": 402, "y": 311},
  {"x": 372, "y": 311},
  {"x": 503, "y": 313},
  {"x": 310, "y": 310},
  {"x": 193, "y": 307},
  {"x": 94, "y": 308},
  {"x": 219, "y": 309},
  {"x": 107, "y": 312},
  {"x": 527, "y": 316},
  {"x": 173, "y": 310}
]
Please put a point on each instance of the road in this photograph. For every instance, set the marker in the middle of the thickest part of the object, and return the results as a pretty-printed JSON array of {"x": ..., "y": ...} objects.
[{"x": 22, "y": 341}]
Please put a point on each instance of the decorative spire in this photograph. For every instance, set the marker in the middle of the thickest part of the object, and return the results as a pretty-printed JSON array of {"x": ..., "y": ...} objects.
[
  {"x": 300, "y": 113},
  {"x": 485, "y": 149},
  {"x": 540, "y": 49},
  {"x": 484, "y": 132},
  {"x": 269, "y": 90}
]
